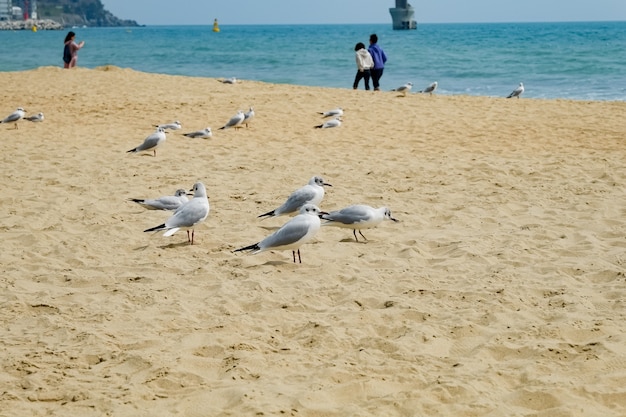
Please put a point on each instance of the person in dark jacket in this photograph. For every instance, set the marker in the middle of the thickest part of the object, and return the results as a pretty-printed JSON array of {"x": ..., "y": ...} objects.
[{"x": 379, "y": 57}]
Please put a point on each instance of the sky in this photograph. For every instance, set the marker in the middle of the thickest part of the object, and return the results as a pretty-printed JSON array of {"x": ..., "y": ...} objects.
[{"x": 239, "y": 12}]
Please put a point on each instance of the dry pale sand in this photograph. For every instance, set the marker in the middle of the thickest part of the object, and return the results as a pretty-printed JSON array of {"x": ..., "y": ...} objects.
[{"x": 501, "y": 291}]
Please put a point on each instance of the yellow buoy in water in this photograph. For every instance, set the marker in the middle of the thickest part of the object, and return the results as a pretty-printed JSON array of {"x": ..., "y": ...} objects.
[
  {"x": 216, "y": 28},
  {"x": 34, "y": 28}
]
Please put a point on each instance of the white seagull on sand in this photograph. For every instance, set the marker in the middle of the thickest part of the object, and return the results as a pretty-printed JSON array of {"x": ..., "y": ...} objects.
[
  {"x": 404, "y": 89},
  {"x": 167, "y": 202},
  {"x": 14, "y": 117},
  {"x": 332, "y": 113},
  {"x": 293, "y": 234},
  {"x": 203, "y": 134},
  {"x": 248, "y": 116},
  {"x": 152, "y": 142},
  {"x": 312, "y": 193},
  {"x": 235, "y": 121},
  {"x": 430, "y": 89},
  {"x": 35, "y": 118},
  {"x": 170, "y": 126},
  {"x": 517, "y": 92},
  {"x": 357, "y": 217},
  {"x": 188, "y": 215},
  {"x": 336, "y": 122}
]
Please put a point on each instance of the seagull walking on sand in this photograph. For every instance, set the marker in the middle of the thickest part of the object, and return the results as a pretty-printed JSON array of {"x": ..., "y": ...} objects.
[
  {"x": 336, "y": 122},
  {"x": 235, "y": 121},
  {"x": 14, "y": 117},
  {"x": 312, "y": 193},
  {"x": 35, "y": 118},
  {"x": 517, "y": 92},
  {"x": 357, "y": 217},
  {"x": 293, "y": 234},
  {"x": 404, "y": 89},
  {"x": 332, "y": 113},
  {"x": 202, "y": 134},
  {"x": 152, "y": 142},
  {"x": 430, "y": 89},
  {"x": 168, "y": 202},
  {"x": 187, "y": 216},
  {"x": 170, "y": 126},
  {"x": 248, "y": 116}
]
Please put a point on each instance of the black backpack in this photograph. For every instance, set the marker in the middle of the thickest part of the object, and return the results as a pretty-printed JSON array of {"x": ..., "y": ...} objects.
[{"x": 67, "y": 53}]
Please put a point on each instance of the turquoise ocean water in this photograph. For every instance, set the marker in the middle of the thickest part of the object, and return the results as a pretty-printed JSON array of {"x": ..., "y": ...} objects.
[{"x": 585, "y": 61}]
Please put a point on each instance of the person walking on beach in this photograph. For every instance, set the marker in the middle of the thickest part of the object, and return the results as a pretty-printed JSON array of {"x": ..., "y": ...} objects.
[
  {"x": 364, "y": 63},
  {"x": 70, "y": 51},
  {"x": 379, "y": 57}
]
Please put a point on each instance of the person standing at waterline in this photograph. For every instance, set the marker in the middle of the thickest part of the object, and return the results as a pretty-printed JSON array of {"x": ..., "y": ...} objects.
[
  {"x": 363, "y": 62},
  {"x": 70, "y": 50},
  {"x": 379, "y": 57}
]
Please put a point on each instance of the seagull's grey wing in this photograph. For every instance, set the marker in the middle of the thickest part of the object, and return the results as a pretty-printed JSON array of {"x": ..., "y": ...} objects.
[
  {"x": 11, "y": 117},
  {"x": 349, "y": 215},
  {"x": 149, "y": 143},
  {"x": 297, "y": 199},
  {"x": 168, "y": 202},
  {"x": 188, "y": 214},
  {"x": 235, "y": 120},
  {"x": 288, "y": 234},
  {"x": 196, "y": 134}
]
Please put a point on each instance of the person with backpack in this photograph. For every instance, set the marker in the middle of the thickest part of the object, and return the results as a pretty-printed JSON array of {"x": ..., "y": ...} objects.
[{"x": 70, "y": 51}]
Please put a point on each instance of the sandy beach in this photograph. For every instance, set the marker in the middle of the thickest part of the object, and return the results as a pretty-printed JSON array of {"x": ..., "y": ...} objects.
[{"x": 500, "y": 292}]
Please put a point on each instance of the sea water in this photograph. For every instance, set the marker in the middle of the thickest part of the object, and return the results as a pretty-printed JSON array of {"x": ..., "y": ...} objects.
[{"x": 583, "y": 61}]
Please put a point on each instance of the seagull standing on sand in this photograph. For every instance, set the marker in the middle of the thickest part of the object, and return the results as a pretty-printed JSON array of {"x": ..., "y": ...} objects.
[
  {"x": 517, "y": 92},
  {"x": 404, "y": 89},
  {"x": 170, "y": 126},
  {"x": 336, "y": 122},
  {"x": 35, "y": 118},
  {"x": 248, "y": 116},
  {"x": 203, "y": 134},
  {"x": 333, "y": 113},
  {"x": 14, "y": 117},
  {"x": 168, "y": 202},
  {"x": 152, "y": 142},
  {"x": 188, "y": 215},
  {"x": 235, "y": 121},
  {"x": 430, "y": 89},
  {"x": 312, "y": 193},
  {"x": 357, "y": 217},
  {"x": 293, "y": 234}
]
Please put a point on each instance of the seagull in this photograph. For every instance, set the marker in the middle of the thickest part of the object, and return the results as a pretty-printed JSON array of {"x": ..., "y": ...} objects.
[
  {"x": 14, "y": 117},
  {"x": 203, "y": 134},
  {"x": 168, "y": 202},
  {"x": 235, "y": 121},
  {"x": 312, "y": 193},
  {"x": 231, "y": 80},
  {"x": 152, "y": 142},
  {"x": 170, "y": 126},
  {"x": 334, "y": 112},
  {"x": 329, "y": 123},
  {"x": 248, "y": 116},
  {"x": 404, "y": 89},
  {"x": 35, "y": 118},
  {"x": 293, "y": 234},
  {"x": 517, "y": 92},
  {"x": 188, "y": 215},
  {"x": 357, "y": 217},
  {"x": 430, "y": 89}
]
